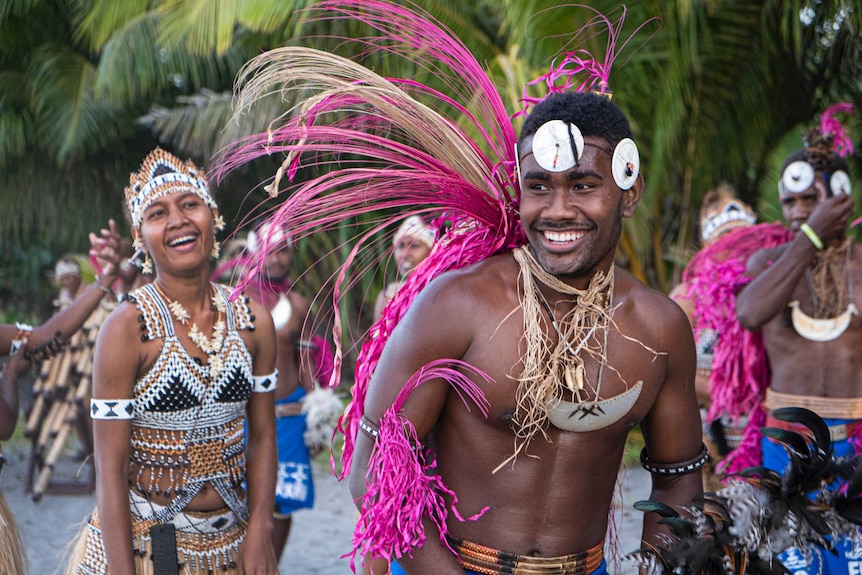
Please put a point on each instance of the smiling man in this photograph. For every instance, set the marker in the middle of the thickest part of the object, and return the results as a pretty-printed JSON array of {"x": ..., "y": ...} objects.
[{"x": 570, "y": 352}]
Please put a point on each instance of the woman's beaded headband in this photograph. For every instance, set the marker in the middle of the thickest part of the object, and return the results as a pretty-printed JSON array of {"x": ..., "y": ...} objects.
[{"x": 161, "y": 174}]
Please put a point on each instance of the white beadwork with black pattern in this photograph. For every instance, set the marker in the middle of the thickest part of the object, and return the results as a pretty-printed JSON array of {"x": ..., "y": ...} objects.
[{"x": 193, "y": 422}]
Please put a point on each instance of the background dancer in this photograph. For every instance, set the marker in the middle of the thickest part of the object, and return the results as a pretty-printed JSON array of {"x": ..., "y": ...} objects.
[{"x": 803, "y": 301}]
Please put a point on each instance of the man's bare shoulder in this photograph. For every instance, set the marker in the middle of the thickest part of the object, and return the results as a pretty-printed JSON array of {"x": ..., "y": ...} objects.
[
  {"x": 482, "y": 283},
  {"x": 642, "y": 305}
]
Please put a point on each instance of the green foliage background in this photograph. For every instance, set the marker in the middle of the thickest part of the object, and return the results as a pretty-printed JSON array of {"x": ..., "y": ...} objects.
[{"x": 717, "y": 90}]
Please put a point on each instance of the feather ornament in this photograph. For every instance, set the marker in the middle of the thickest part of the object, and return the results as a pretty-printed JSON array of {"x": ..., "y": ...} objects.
[
  {"x": 759, "y": 512},
  {"x": 579, "y": 70},
  {"x": 383, "y": 145},
  {"x": 841, "y": 142},
  {"x": 741, "y": 372},
  {"x": 391, "y": 517}
]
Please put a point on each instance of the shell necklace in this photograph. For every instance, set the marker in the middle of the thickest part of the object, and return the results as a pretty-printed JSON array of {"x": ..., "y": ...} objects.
[
  {"x": 211, "y": 347},
  {"x": 818, "y": 327}
]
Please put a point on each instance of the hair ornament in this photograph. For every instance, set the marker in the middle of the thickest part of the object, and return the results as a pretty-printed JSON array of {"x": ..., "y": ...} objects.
[
  {"x": 414, "y": 227},
  {"x": 722, "y": 212},
  {"x": 626, "y": 163},
  {"x": 796, "y": 178},
  {"x": 579, "y": 70},
  {"x": 557, "y": 146},
  {"x": 161, "y": 174},
  {"x": 839, "y": 183},
  {"x": 829, "y": 139},
  {"x": 841, "y": 142},
  {"x": 67, "y": 267},
  {"x": 268, "y": 238}
]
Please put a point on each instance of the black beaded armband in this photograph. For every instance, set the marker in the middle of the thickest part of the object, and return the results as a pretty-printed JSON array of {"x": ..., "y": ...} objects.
[
  {"x": 368, "y": 427},
  {"x": 675, "y": 468},
  {"x": 48, "y": 349}
]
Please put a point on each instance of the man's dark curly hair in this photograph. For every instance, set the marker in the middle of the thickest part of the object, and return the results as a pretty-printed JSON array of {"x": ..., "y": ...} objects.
[
  {"x": 835, "y": 163},
  {"x": 593, "y": 114}
]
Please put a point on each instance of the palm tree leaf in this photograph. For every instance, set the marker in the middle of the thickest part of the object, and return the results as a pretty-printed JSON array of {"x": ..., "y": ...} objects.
[
  {"x": 16, "y": 123},
  {"x": 70, "y": 120},
  {"x": 96, "y": 21}
]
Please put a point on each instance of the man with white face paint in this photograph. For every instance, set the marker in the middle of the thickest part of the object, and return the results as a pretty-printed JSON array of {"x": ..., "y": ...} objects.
[
  {"x": 803, "y": 300},
  {"x": 573, "y": 353}
]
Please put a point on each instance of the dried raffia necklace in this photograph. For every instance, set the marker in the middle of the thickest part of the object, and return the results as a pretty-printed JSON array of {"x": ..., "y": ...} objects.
[
  {"x": 574, "y": 376},
  {"x": 544, "y": 367},
  {"x": 211, "y": 347},
  {"x": 826, "y": 270}
]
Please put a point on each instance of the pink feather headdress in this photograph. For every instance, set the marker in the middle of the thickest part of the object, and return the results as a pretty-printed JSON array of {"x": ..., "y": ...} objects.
[
  {"x": 381, "y": 145},
  {"x": 579, "y": 70},
  {"x": 829, "y": 124}
]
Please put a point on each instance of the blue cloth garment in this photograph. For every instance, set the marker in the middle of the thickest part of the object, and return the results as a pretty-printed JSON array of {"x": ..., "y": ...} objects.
[
  {"x": 813, "y": 560},
  {"x": 294, "y": 488}
]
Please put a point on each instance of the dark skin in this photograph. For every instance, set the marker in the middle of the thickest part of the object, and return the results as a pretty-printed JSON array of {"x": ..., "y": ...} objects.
[
  {"x": 800, "y": 366},
  {"x": 572, "y": 220},
  {"x": 105, "y": 248},
  {"x": 292, "y": 370},
  {"x": 121, "y": 358}
]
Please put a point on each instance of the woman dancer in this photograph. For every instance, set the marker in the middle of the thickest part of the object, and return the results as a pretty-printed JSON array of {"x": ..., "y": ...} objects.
[{"x": 177, "y": 371}]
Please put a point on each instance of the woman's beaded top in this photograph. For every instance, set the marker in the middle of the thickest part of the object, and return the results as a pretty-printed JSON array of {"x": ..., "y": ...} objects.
[{"x": 187, "y": 426}]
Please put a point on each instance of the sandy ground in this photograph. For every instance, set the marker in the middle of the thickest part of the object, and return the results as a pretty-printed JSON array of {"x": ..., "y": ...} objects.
[{"x": 319, "y": 536}]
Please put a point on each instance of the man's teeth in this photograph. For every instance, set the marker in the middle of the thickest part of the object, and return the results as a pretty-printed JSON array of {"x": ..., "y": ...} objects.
[
  {"x": 563, "y": 236},
  {"x": 181, "y": 240}
]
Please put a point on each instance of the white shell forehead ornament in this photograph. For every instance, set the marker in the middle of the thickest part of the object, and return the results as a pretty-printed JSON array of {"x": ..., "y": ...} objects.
[
  {"x": 796, "y": 178},
  {"x": 558, "y": 146}
]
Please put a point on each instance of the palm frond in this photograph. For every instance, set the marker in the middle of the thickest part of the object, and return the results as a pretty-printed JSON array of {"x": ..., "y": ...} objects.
[
  {"x": 70, "y": 121},
  {"x": 96, "y": 21}
]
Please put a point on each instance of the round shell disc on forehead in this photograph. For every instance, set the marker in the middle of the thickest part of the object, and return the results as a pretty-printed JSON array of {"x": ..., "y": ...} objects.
[
  {"x": 839, "y": 183},
  {"x": 626, "y": 163},
  {"x": 553, "y": 146},
  {"x": 797, "y": 177}
]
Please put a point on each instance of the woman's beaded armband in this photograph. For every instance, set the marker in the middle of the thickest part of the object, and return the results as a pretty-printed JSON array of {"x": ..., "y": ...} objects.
[
  {"x": 264, "y": 383},
  {"x": 47, "y": 350},
  {"x": 675, "y": 468},
  {"x": 112, "y": 408}
]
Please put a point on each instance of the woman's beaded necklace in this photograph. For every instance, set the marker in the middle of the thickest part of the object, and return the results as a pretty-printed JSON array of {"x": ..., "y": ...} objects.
[{"x": 211, "y": 347}]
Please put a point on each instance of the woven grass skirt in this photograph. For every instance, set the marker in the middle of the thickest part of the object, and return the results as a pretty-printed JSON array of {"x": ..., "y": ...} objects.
[
  {"x": 13, "y": 560},
  {"x": 207, "y": 542}
]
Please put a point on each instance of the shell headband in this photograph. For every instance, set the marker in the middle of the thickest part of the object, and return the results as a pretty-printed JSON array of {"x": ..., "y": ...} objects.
[
  {"x": 266, "y": 237},
  {"x": 729, "y": 213},
  {"x": 67, "y": 268},
  {"x": 415, "y": 228},
  {"x": 161, "y": 174},
  {"x": 822, "y": 144},
  {"x": 557, "y": 147}
]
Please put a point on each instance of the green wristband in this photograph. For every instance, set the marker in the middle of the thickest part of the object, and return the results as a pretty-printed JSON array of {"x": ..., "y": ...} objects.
[{"x": 812, "y": 235}]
